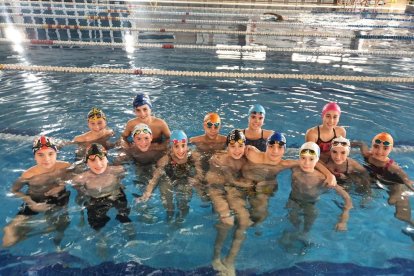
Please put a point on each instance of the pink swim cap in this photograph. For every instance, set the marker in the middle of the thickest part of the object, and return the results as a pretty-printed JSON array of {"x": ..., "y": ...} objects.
[{"x": 331, "y": 107}]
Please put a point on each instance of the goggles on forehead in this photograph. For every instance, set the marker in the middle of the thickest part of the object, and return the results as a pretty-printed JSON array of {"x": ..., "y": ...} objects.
[
  {"x": 43, "y": 143},
  {"x": 144, "y": 130},
  {"x": 280, "y": 143},
  {"x": 96, "y": 114},
  {"x": 308, "y": 152},
  {"x": 336, "y": 144},
  {"x": 176, "y": 141},
  {"x": 210, "y": 125},
  {"x": 240, "y": 141},
  {"x": 92, "y": 157},
  {"x": 385, "y": 143}
]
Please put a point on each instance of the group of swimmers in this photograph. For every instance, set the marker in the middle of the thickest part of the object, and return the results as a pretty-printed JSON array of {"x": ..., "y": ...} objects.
[{"x": 236, "y": 172}]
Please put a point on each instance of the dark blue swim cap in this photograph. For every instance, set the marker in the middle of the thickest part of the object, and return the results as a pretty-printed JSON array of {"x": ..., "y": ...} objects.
[
  {"x": 142, "y": 99},
  {"x": 277, "y": 137}
]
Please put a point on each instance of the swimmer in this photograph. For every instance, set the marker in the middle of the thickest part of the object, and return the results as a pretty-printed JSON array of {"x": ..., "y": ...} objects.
[
  {"x": 255, "y": 135},
  {"x": 142, "y": 108},
  {"x": 180, "y": 169},
  {"x": 46, "y": 193},
  {"x": 211, "y": 140},
  {"x": 101, "y": 184},
  {"x": 389, "y": 174},
  {"x": 307, "y": 186},
  {"x": 329, "y": 130},
  {"x": 345, "y": 168}
]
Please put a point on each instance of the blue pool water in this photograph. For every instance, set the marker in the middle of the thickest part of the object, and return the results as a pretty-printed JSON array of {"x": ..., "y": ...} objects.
[{"x": 55, "y": 104}]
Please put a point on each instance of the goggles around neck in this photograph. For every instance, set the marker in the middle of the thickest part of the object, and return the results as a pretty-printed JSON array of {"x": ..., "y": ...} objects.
[
  {"x": 385, "y": 143},
  {"x": 210, "y": 125}
]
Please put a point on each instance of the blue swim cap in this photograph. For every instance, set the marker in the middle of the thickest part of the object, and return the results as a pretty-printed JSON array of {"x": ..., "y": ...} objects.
[
  {"x": 257, "y": 108},
  {"x": 142, "y": 99},
  {"x": 178, "y": 136},
  {"x": 277, "y": 137}
]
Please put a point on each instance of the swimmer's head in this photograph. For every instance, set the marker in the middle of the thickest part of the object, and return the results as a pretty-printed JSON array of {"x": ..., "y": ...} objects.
[
  {"x": 142, "y": 99},
  {"x": 236, "y": 136},
  {"x": 178, "y": 136},
  {"x": 94, "y": 151},
  {"x": 309, "y": 149},
  {"x": 212, "y": 120},
  {"x": 141, "y": 128},
  {"x": 43, "y": 142},
  {"x": 257, "y": 108},
  {"x": 331, "y": 107},
  {"x": 277, "y": 138},
  {"x": 384, "y": 139},
  {"x": 96, "y": 113},
  {"x": 341, "y": 142}
]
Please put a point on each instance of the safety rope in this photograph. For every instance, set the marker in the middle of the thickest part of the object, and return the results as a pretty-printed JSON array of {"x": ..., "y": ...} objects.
[
  {"x": 262, "y": 33},
  {"x": 202, "y": 21},
  {"x": 314, "y": 51},
  {"x": 159, "y": 72}
]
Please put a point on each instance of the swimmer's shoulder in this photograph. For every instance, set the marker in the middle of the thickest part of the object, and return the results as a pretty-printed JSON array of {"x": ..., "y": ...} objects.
[{"x": 197, "y": 139}]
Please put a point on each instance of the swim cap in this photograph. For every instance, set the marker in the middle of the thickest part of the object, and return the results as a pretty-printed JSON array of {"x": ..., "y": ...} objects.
[
  {"x": 95, "y": 149},
  {"x": 278, "y": 138},
  {"x": 141, "y": 128},
  {"x": 178, "y": 136},
  {"x": 43, "y": 142},
  {"x": 309, "y": 148},
  {"x": 257, "y": 108},
  {"x": 341, "y": 142},
  {"x": 212, "y": 117},
  {"x": 142, "y": 99},
  {"x": 235, "y": 136},
  {"x": 331, "y": 107},
  {"x": 96, "y": 113},
  {"x": 384, "y": 138}
]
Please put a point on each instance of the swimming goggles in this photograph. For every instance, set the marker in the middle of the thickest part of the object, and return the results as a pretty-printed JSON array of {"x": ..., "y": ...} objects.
[
  {"x": 210, "y": 125},
  {"x": 43, "y": 143},
  {"x": 176, "y": 141},
  {"x": 96, "y": 113},
  {"x": 92, "y": 157},
  {"x": 385, "y": 143},
  {"x": 280, "y": 143},
  {"x": 256, "y": 112},
  {"x": 336, "y": 144},
  {"x": 308, "y": 152},
  {"x": 240, "y": 141},
  {"x": 144, "y": 130}
]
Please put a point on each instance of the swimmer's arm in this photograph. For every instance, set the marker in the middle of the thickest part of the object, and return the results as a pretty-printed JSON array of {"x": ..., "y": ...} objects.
[
  {"x": 17, "y": 186},
  {"x": 159, "y": 171},
  {"x": 394, "y": 168},
  {"x": 311, "y": 135},
  {"x": 197, "y": 164},
  {"x": 343, "y": 218},
  {"x": 330, "y": 178},
  {"x": 250, "y": 152},
  {"x": 362, "y": 147},
  {"x": 127, "y": 132},
  {"x": 165, "y": 130}
]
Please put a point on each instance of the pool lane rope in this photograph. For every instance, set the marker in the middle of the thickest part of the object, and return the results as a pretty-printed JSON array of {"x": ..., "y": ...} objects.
[
  {"x": 209, "y": 31},
  {"x": 204, "y": 21},
  {"x": 315, "y": 51},
  {"x": 295, "y": 6},
  {"x": 175, "y": 73}
]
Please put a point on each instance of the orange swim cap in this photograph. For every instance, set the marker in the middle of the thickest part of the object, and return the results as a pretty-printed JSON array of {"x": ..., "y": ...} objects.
[
  {"x": 383, "y": 137},
  {"x": 212, "y": 117}
]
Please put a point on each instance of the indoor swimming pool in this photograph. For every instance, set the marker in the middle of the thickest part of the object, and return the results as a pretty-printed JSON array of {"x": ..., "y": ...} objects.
[{"x": 232, "y": 57}]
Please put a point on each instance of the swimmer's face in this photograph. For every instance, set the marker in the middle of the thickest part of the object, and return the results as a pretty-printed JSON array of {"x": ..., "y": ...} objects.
[
  {"x": 275, "y": 151},
  {"x": 211, "y": 129},
  {"x": 143, "y": 141},
  {"x": 380, "y": 151},
  {"x": 180, "y": 149},
  {"x": 46, "y": 158},
  {"x": 96, "y": 124},
  {"x": 331, "y": 118},
  {"x": 307, "y": 162},
  {"x": 97, "y": 163},
  {"x": 236, "y": 150},
  {"x": 143, "y": 112},
  {"x": 339, "y": 155},
  {"x": 256, "y": 120}
]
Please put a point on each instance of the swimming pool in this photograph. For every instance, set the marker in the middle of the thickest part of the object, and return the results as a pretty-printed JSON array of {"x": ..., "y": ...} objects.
[{"x": 56, "y": 104}]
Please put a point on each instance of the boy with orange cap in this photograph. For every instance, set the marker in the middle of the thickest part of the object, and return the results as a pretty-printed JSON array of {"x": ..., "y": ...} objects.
[
  {"x": 211, "y": 139},
  {"x": 46, "y": 192}
]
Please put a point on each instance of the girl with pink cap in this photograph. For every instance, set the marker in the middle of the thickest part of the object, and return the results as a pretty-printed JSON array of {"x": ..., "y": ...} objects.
[{"x": 323, "y": 134}]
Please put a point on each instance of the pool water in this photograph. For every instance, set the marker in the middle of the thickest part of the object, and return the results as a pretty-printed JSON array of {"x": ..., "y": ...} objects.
[{"x": 56, "y": 104}]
